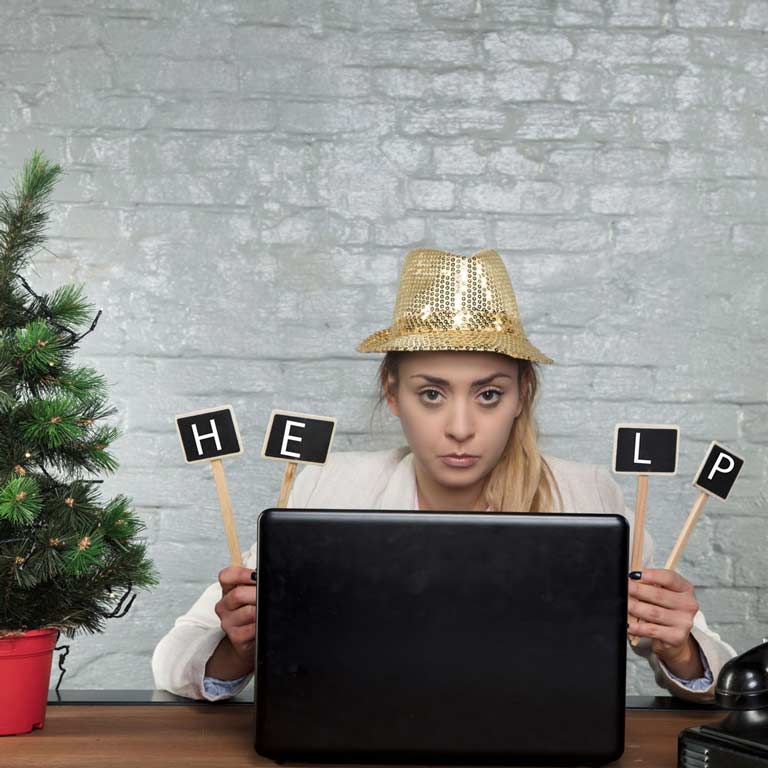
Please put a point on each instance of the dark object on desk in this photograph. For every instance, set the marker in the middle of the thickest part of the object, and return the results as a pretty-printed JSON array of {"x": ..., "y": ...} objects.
[
  {"x": 441, "y": 637},
  {"x": 743, "y": 681},
  {"x": 137, "y": 697},
  {"x": 740, "y": 740}
]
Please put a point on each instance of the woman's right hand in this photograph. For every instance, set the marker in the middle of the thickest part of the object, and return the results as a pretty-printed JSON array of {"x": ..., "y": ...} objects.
[{"x": 237, "y": 609}]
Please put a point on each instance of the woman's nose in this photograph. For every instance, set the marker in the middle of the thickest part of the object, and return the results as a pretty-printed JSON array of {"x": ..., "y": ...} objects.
[{"x": 459, "y": 425}]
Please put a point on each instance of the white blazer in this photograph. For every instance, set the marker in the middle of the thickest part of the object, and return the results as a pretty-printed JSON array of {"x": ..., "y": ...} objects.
[{"x": 385, "y": 479}]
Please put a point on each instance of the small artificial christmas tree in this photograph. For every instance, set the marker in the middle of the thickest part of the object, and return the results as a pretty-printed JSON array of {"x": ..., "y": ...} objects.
[{"x": 64, "y": 555}]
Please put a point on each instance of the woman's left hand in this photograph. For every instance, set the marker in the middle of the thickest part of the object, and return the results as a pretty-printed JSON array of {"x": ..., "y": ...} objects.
[{"x": 666, "y": 605}]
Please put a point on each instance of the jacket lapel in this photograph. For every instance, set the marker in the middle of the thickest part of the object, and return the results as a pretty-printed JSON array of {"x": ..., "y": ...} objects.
[{"x": 401, "y": 487}]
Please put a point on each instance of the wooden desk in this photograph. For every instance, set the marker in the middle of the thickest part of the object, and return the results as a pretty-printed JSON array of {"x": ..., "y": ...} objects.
[{"x": 155, "y": 729}]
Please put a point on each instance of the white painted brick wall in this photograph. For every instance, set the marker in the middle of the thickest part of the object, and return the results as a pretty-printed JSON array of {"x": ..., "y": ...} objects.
[{"x": 243, "y": 180}]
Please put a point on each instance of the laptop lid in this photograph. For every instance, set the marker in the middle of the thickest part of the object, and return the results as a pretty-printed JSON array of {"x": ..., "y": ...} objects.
[{"x": 441, "y": 636}]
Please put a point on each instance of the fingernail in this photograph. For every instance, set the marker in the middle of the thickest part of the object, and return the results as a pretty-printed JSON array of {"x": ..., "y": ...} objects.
[
  {"x": 635, "y": 575},
  {"x": 253, "y": 575}
]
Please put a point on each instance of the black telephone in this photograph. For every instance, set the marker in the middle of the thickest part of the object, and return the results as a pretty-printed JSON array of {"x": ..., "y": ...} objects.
[
  {"x": 743, "y": 681},
  {"x": 740, "y": 740}
]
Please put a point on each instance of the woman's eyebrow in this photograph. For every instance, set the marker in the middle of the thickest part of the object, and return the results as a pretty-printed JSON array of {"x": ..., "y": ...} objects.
[{"x": 437, "y": 380}]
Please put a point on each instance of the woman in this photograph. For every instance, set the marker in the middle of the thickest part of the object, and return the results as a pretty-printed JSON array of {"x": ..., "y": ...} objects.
[{"x": 461, "y": 376}]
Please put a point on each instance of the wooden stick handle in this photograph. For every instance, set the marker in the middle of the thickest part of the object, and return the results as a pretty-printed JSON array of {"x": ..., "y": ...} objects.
[
  {"x": 226, "y": 511},
  {"x": 685, "y": 534},
  {"x": 285, "y": 488},
  {"x": 639, "y": 529}
]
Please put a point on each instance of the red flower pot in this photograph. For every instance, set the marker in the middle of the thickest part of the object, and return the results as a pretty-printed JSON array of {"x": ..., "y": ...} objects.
[{"x": 25, "y": 672}]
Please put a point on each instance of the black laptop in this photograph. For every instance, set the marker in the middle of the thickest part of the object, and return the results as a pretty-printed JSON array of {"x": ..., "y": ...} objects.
[{"x": 441, "y": 637}]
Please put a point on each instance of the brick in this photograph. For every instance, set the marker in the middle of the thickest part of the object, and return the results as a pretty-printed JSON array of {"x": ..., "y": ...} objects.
[
  {"x": 521, "y": 82},
  {"x": 307, "y": 117},
  {"x": 461, "y": 158},
  {"x": 451, "y": 121},
  {"x": 512, "y": 161},
  {"x": 636, "y": 13},
  {"x": 580, "y": 13},
  {"x": 558, "y": 235},
  {"x": 460, "y": 85},
  {"x": 582, "y": 84},
  {"x": 407, "y": 154},
  {"x": 626, "y": 198},
  {"x": 158, "y": 73},
  {"x": 521, "y": 45},
  {"x": 705, "y": 13},
  {"x": 519, "y": 197},
  {"x": 400, "y": 82},
  {"x": 755, "y": 16},
  {"x": 645, "y": 234},
  {"x": 641, "y": 88},
  {"x": 550, "y": 121},
  {"x": 403, "y": 232},
  {"x": 180, "y": 39},
  {"x": 460, "y": 234},
  {"x": 418, "y": 49},
  {"x": 233, "y": 114},
  {"x": 631, "y": 163},
  {"x": 455, "y": 10},
  {"x": 519, "y": 11},
  {"x": 431, "y": 194}
]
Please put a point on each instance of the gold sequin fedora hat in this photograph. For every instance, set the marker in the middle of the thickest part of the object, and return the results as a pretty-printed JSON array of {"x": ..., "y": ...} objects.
[{"x": 451, "y": 302}]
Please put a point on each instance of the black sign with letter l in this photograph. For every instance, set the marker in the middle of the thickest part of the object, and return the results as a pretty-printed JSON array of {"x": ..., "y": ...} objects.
[
  {"x": 718, "y": 471},
  {"x": 209, "y": 434},
  {"x": 645, "y": 449},
  {"x": 303, "y": 438}
]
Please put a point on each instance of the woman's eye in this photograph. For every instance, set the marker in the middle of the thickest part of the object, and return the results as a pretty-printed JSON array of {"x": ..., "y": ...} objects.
[
  {"x": 425, "y": 391},
  {"x": 490, "y": 392}
]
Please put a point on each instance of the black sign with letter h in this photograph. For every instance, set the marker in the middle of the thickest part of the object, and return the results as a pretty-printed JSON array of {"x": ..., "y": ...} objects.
[{"x": 209, "y": 434}]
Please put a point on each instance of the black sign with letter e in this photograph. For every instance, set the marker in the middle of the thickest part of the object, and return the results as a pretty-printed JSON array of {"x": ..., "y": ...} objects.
[
  {"x": 299, "y": 437},
  {"x": 209, "y": 434},
  {"x": 645, "y": 449},
  {"x": 718, "y": 471}
]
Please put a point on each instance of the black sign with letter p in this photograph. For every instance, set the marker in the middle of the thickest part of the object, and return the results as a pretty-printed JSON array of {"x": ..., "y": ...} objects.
[
  {"x": 718, "y": 471},
  {"x": 645, "y": 449},
  {"x": 299, "y": 437}
]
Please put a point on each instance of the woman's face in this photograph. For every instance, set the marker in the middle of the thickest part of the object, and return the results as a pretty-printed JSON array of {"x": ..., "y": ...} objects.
[{"x": 456, "y": 402}]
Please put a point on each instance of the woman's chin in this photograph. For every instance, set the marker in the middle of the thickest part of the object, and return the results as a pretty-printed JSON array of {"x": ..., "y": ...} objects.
[{"x": 459, "y": 477}]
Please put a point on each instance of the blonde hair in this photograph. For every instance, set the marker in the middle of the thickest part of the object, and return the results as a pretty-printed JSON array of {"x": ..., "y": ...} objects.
[{"x": 521, "y": 481}]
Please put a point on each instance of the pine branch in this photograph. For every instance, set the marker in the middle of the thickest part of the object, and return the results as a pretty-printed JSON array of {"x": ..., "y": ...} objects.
[
  {"x": 23, "y": 217},
  {"x": 67, "y": 306},
  {"x": 40, "y": 306},
  {"x": 84, "y": 383}
]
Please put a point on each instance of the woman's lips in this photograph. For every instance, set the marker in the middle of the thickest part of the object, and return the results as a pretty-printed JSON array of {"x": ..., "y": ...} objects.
[{"x": 454, "y": 461}]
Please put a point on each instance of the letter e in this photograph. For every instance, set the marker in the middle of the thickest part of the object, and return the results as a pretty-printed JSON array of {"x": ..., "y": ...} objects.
[{"x": 288, "y": 436}]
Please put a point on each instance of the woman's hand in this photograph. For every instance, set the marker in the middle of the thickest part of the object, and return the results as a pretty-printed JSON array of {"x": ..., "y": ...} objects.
[
  {"x": 665, "y": 603},
  {"x": 237, "y": 609}
]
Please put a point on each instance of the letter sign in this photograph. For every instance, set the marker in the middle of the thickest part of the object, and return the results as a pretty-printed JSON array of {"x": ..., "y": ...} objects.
[
  {"x": 714, "y": 477},
  {"x": 645, "y": 449},
  {"x": 718, "y": 471},
  {"x": 302, "y": 438},
  {"x": 209, "y": 434}
]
